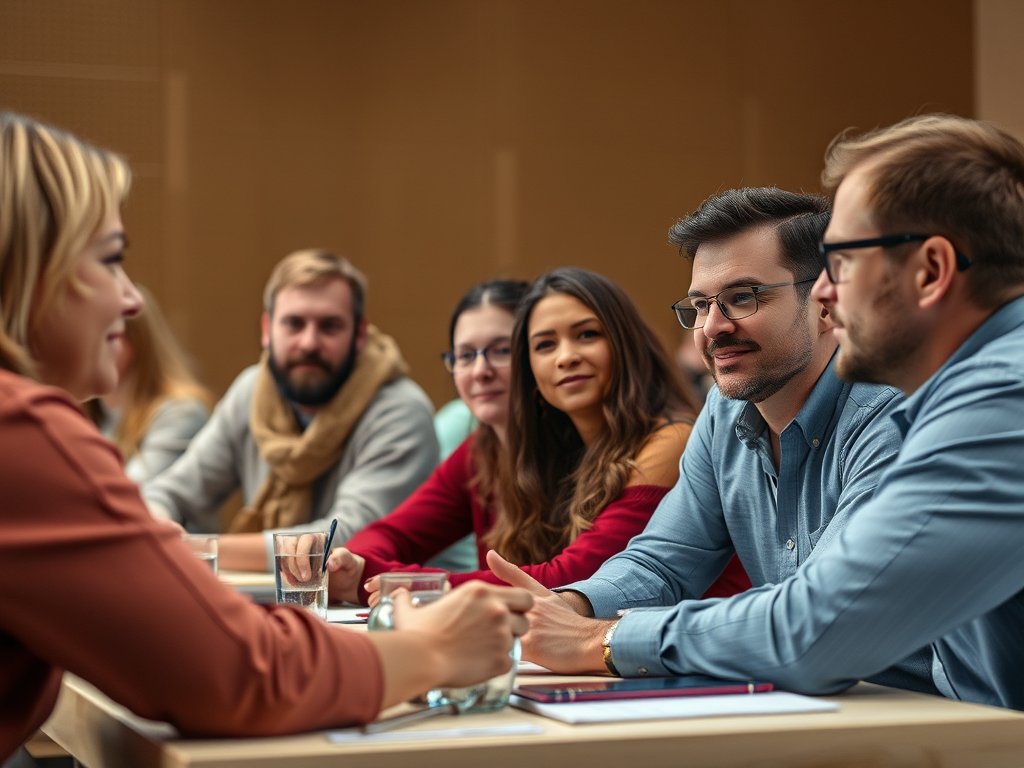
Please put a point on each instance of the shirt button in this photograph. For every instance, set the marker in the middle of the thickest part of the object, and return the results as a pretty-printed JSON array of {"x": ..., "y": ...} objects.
[
  {"x": 790, "y": 544},
  {"x": 642, "y": 670},
  {"x": 815, "y": 442}
]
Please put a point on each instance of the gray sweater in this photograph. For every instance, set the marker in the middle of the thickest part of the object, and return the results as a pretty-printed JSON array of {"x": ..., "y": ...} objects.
[{"x": 390, "y": 451}]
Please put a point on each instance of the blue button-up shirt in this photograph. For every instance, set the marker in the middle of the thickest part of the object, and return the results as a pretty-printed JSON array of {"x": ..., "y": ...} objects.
[
  {"x": 934, "y": 560},
  {"x": 729, "y": 497}
]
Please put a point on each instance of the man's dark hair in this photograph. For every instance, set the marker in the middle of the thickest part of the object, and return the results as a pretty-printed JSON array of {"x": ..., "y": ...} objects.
[{"x": 799, "y": 219}]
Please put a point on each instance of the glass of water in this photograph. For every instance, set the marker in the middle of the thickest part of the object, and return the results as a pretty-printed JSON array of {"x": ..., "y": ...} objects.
[
  {"x": 298, "y": 571},
  {"x": 425, "y": 588},
  {"x": 204, "y": 546}
]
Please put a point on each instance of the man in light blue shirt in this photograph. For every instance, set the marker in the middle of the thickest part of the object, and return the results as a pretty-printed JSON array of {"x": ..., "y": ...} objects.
[{"x": 925, "y": 277}]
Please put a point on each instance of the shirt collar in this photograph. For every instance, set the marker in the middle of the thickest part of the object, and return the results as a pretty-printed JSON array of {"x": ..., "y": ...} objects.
[
  {"x": 1005, "y": 319},
  {"x": 826, "y": 398}
]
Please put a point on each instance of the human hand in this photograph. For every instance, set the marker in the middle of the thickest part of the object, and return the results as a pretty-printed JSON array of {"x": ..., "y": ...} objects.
[
  {"x": 345, "y": 569},
  {"x": 470, "y": 630},
  {"x": 559, "y": 638},
  {"x": 372, "y": 587},
  {"x": 299, "y": 562}
]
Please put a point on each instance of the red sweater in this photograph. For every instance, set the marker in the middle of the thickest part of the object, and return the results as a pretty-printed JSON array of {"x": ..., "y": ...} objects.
[{"x": 444, "y": 509}]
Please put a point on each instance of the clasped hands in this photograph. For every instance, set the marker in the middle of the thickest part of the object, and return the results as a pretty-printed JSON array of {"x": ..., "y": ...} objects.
[{"x": 559, "y": 637}]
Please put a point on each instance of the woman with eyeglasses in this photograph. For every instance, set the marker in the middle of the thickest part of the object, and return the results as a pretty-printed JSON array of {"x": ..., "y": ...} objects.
[
  {"x": 91, "y": 583},
  {"x": 590, "y": 421}
]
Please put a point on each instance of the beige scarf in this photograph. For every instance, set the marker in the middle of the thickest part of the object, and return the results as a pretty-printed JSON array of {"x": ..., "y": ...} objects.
[{"x": 297, "y": 458}]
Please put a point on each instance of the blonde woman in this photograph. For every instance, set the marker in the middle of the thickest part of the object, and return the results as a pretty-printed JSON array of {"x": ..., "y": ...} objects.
[
  {"x": 158, "y": 405},
  {"x": 91, "y": 583}
]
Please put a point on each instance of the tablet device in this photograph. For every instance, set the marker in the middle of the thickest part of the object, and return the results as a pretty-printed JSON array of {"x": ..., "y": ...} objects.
[{"x": 638, "y": 688}]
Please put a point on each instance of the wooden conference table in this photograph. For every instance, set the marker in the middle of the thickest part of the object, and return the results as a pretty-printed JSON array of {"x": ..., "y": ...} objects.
[{"x": 874, "y": 726}]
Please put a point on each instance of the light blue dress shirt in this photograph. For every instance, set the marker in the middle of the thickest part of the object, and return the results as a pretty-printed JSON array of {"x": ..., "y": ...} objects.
[{"x": 934, "y": 560}]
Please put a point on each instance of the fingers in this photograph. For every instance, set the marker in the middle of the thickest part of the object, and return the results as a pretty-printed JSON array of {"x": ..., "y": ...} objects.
[
  {"x": 337, "y": 559},
  {"x": 519, "y": 624},
  {"x": 305, "y": 563},
  {"x": 372, "y": 585},
  {"x": 514, "y": 575}
]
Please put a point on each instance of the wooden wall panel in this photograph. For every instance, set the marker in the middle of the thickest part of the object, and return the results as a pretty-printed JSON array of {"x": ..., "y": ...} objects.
[{"x": 441, "y": 143}]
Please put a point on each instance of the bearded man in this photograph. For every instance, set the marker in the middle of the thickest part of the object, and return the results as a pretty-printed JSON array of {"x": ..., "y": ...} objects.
[{"x": 326, "y": 426}]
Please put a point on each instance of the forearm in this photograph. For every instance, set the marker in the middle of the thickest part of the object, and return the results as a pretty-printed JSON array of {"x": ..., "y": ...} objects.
[
  {"x": 578, "y": 602},
  {"x": 242, "y": 552},
  {"x": 412, "y": 664}
]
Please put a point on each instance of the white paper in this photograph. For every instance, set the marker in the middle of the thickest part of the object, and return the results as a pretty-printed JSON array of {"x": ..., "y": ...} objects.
[
  {"x": 529, "y": 668},
  {"x": 347, "y": 615},
  {"x": 620, "y": 710}
]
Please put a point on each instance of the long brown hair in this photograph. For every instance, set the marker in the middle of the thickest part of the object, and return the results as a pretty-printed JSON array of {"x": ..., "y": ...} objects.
[
  {"x": 553, "y": 486},
  {"x": 159, "y": 371},
  {"x": 485, "y": 454}
]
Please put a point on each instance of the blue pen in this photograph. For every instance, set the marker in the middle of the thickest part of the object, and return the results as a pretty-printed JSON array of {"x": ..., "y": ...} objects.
[{"x": 327, "y": 546}]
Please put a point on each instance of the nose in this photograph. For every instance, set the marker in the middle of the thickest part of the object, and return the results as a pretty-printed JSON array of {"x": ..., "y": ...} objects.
[
  {"x": 309, "y": 337},
  {"x": 568, "y": 355},
  {"x": 716, "y": 323},
  {"x": 824, "y": 290},
  {"x": 482, "y": 367},
  {"x": 134, "y": 303}
]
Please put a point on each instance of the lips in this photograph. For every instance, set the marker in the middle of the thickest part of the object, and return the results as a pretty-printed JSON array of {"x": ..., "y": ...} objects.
[
  {"x": 487, "y": 395},
  {"x": 728, "y": 350},
  {"x": 570, "y": 380}
]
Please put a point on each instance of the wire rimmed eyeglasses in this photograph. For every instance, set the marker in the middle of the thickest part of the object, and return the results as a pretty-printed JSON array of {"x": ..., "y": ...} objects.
[
  {"x": 497, "y": 354},
  {"x": 735, "y": 303}
]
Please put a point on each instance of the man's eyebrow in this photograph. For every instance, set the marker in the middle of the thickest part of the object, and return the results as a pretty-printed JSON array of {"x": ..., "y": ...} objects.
[{"x": 741, "y": 282}]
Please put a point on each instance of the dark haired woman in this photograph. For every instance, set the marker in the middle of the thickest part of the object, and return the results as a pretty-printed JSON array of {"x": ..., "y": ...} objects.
[
  {"x": 593, "y": 424},
  {"x": 599, "y": 423}
]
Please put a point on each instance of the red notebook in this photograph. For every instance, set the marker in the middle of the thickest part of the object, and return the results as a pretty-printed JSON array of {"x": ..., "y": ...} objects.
[{"x": 638, "y": 688}]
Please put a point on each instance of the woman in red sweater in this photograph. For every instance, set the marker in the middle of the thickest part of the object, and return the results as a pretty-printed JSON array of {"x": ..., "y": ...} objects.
[{"x": 589, "y": 447}]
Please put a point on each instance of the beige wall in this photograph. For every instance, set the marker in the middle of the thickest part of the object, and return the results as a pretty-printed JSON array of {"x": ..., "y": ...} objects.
[
  {"x": 441, "y": 143},
  {"x": 999, "y": 63}
]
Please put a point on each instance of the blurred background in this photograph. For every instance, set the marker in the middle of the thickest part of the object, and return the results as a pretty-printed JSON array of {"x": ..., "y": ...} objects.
[{"x": 437, "y": 143}]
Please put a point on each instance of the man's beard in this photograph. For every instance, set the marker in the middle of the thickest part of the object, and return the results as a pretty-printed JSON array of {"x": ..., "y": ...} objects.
[
  {"x": 314, "y": 394},
  {"x": 772, "y": 377},
  {"x": 879, "y": 360}
]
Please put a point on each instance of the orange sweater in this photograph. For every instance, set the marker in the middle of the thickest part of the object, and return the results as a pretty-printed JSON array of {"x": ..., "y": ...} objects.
[{"x": 91, "y": 584}]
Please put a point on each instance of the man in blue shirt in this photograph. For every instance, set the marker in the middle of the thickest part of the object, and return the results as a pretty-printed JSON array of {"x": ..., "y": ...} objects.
[
  {"x": 783, "y": 452},
  {"x": 924, "y": 277}
]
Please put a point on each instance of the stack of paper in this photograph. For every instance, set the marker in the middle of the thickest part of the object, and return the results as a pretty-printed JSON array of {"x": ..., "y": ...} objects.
[{"x": 774, "y": 703}]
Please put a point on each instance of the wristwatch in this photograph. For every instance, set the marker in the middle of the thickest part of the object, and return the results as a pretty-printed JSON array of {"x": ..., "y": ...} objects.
[{"x": 606, "y": 646}]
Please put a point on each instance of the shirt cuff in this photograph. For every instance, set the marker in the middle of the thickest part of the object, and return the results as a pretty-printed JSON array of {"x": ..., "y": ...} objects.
[
  {"x": 605, "y": 598},
  {"x": 636, "y": 644}
]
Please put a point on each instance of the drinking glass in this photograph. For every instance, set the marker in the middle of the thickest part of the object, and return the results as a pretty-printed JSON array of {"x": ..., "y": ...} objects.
[
  {"x": 424, "y": 588},
  {"x": 203, "y": 546},
  {"x": 298, "y": 571}
]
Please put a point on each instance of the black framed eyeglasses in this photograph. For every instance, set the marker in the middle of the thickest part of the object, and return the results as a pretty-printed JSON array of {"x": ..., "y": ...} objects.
[
  {"x": 498, "y": 354},
  {"x": 833, "y": 262},
  {"x": 735, "y": 303}
]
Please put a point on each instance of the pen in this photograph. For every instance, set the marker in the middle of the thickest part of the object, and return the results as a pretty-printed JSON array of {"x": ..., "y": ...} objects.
[
  {"x": 412, "y": 717},
  {"x": 327, "y": 546}
]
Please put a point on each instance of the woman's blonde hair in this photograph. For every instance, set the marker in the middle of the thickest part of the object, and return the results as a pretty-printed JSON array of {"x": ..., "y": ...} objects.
[
  {"x": 158, "y": 371},
  {"x": 55, "y": 193}
]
